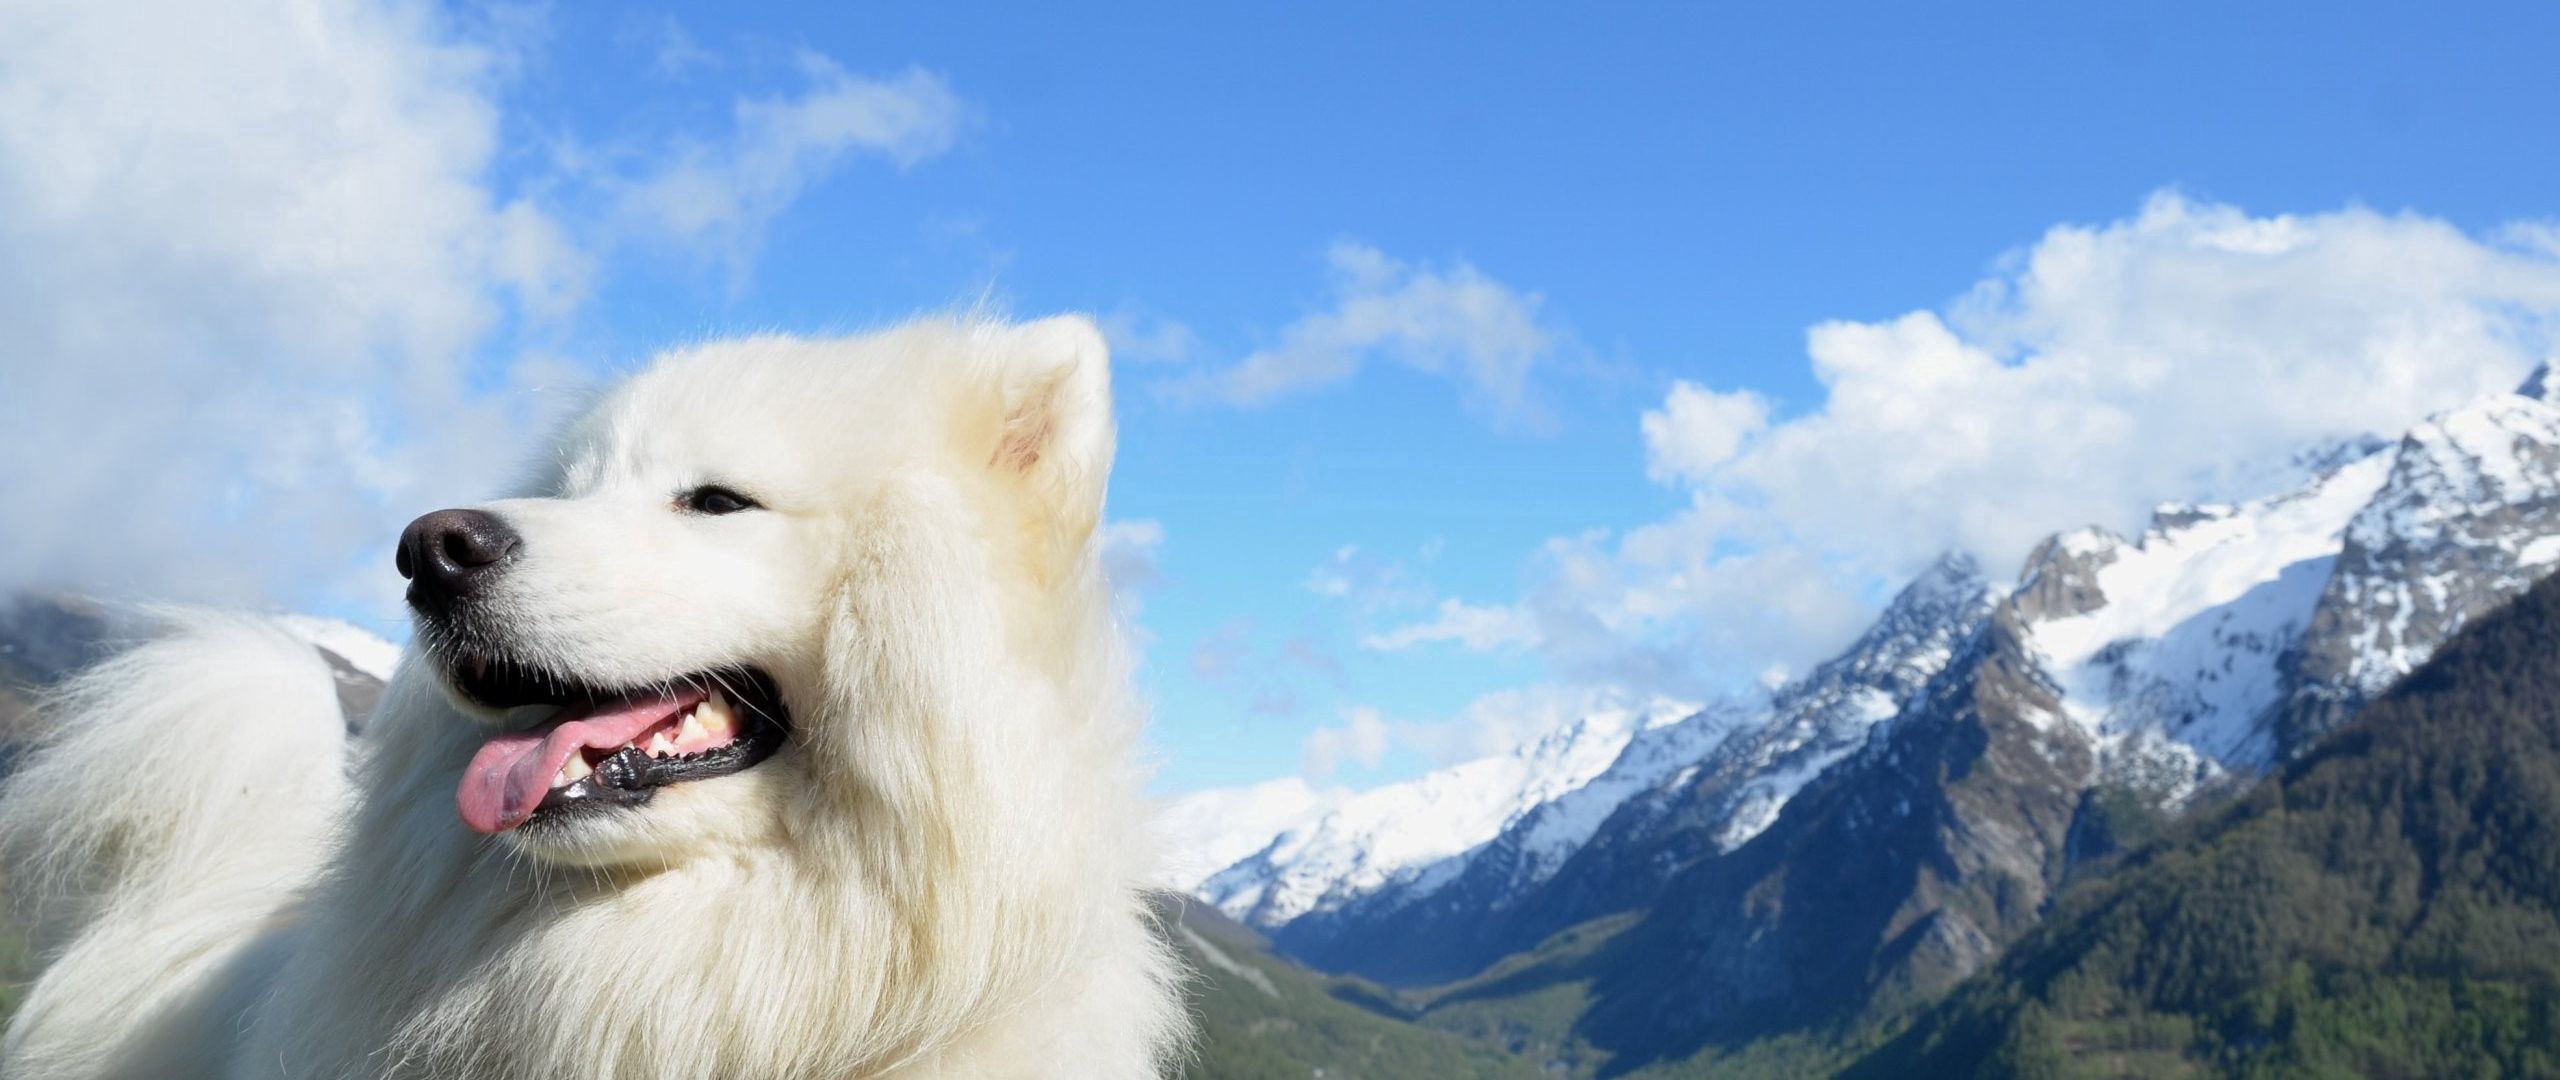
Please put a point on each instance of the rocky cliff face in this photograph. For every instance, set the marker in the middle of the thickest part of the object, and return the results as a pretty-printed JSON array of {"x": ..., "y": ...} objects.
[
  {"x": 2468, "y": 519},
  {"x": 1729, "y": 796},
  {"x": 1896, "y": 874}
]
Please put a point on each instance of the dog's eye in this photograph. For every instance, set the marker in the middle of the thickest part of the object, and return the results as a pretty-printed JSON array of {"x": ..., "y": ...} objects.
[{"x": 714, "y": 499}]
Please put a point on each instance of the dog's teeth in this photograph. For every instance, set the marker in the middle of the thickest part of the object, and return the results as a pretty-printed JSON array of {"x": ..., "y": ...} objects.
[
  {"x": 573, "y": 770},
  {"x": 690, "y": 732},
  {"x": 660, "y": 745},
  {"x": 718, "y": 723}
]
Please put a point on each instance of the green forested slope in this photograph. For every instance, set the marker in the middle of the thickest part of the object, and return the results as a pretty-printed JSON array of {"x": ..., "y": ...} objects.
[{"x": 1262, "y": 1016}]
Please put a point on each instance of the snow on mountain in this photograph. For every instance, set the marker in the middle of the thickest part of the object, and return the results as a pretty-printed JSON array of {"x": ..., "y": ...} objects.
[
  {"x": 1664, "y": 801},
  {"x": 359, "y": 662},
  {"x": 1406, "y": 833},
  {"x": 1818, "y": 719},
  {"x": 1479, "y": 834},
  {"x": 2230, "y": 635},
  {"x": 2482, "y": 481},
  {"x": 2137, "y": 666},
  {"x": 2467, "y": 520},
  {"x": 2187, "y": 652},
  {"x": 1542, "y": 839},
  {"x": 362, "y": 649},
  {"x": 2176, "y": 639},
  {"x": 46, "y": 636},
  {"x": 1207, "y": 831}
]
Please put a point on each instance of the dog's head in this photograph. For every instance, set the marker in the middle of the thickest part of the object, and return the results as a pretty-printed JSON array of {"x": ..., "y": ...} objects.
[{"x": 770, "y": 581}]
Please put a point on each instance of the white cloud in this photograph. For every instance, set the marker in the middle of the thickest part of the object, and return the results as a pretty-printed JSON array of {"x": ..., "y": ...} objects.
[
  {"x": 1504, "y": 720},
  {"x": 1138, "y": 339},
  {"x": 1456, "y": 323},
  {"x": 2171, "y": 355},
  {"x": 265, "y": 297},
  {"x": 2108, "y": 368},
  {"x": 1698, "y": 429},
  {"x": 247, "y": 253},
  {"x": 672, "y": 50},
  {"x": 1494, "y": 723},
  {"x": 1129, "y": 555},
  {"x": 1478, "y": 627},
  {"x": 1129, "y": 549},
  {"x": 1660, "y": 611},
  {"x": 1332, "y": 577},
  {"x": 1362, "y": 737},
  {"x": 1365, "y": 581},
  {"x": 1223, "y": 651},
  {"x": 722, "y": 195}
]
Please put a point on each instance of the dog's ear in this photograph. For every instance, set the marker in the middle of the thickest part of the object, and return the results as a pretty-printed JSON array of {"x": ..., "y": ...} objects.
[{"x": 1056, "y": 437}]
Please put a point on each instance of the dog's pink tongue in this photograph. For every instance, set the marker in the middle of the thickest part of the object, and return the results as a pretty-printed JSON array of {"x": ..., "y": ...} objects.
[{"x": 508, "y": 778}]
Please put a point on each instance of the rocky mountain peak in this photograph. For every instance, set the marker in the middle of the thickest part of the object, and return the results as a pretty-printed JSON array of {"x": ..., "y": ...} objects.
[
  {"x": 2467, "y": 519},
  {"x": 1952, "y": 581},
  {"x": 2060, "y": 578},
  {"x": 2169, "y": 517},
  {"x": 2540, "y": 385}
]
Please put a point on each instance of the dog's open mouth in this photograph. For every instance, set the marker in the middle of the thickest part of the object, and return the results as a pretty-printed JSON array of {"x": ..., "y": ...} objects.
[{"x": 606, "y": 749}]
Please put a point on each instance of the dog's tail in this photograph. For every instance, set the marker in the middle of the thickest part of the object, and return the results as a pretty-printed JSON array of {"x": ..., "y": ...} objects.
[{"x": 166, "y": 805}]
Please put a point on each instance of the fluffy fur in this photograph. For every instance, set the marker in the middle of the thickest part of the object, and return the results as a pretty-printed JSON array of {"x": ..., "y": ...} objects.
[{"x": 940, "y": 875}]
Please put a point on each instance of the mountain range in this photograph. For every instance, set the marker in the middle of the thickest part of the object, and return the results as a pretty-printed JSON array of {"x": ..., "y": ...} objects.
[{"x": 1858, "y": 841}]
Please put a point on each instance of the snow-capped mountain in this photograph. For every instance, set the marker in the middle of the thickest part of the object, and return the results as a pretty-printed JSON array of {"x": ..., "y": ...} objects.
[
  {"x": 1441, "y": 918},
  {"x": 2115, "y": 679},
  {"x": 45, "y": 636},
  {"x": 1207, "y": 831},
  {"x": 1733, "y": 793},
  {"x": 2167, "y": 651},
  {"x": 1813, "y": 722},
  {"x": 1487, "y": 891},
  {"x": 1405, "y": 833},
  {"x": 361, "y": 649},
  {"x": 2467, "y": 520},
  {"x": 2109, "y": 683},
  {"x": 1982, "y": 718},
  {"x": 359, "y": 661}
]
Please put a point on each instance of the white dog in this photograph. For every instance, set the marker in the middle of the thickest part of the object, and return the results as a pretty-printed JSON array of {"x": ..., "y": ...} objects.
[{"x": 781, "y": 730}]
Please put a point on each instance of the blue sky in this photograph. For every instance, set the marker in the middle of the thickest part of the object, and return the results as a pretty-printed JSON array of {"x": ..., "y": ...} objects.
[{"x": 1479, "y": 244}]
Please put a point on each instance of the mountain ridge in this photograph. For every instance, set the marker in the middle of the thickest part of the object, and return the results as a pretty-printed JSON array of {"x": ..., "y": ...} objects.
[{"x": 2115, "y": 684}]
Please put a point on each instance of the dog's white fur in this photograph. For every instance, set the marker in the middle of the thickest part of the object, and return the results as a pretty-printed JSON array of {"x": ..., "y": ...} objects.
[{"x": 940, "y": 875}]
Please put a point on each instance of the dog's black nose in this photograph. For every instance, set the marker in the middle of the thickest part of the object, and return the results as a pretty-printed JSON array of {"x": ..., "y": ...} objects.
[{"x": 449, "y": 554}]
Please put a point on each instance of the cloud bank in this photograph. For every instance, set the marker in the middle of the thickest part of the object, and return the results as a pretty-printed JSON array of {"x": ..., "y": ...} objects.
[
  {"x": 723, "y": 193},
  {"x": 1455, "y": 323},
  {"x": 2185, "y": 352},
  {"x": 1494, "y": 723},
  {"x": 264, "y": 295},
  {"x": 246, "y": 254}
]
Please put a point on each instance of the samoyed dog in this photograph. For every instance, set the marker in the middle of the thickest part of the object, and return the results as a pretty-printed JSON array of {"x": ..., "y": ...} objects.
[{"x": 778, "y": 729}]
